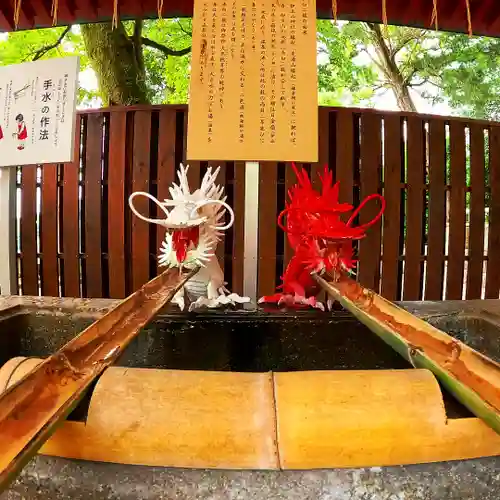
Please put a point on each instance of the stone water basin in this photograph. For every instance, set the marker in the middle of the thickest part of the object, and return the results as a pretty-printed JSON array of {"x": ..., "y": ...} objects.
[
  {"x": 382, "y": 412},
  {"x": 477, "y": 329}
]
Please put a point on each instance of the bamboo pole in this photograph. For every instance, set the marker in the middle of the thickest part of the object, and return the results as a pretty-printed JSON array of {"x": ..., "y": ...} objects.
[
  {"x": 474, "y": 379},
  {"x": 32, "y": 408}
]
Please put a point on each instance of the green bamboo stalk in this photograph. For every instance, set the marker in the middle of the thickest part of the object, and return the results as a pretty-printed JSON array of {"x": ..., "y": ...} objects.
[{"x": 416, "y": 355}]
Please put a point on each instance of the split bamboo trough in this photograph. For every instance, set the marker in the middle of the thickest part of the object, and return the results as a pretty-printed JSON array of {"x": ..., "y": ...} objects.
[
  {"x": 472, "y": 378},
  {"x": 289, "y": 420},
  {"x": 33, "y": 407}
]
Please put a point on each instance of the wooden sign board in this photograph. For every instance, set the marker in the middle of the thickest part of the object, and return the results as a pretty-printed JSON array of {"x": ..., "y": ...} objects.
[
  {"x": 37, "y": 111},
  {"x": 254, "y": 90}
]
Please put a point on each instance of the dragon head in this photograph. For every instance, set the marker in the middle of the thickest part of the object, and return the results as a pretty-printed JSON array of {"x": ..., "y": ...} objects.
[
  {"x": 314, "y": 225},
  {"x": 193, "y": 220}
]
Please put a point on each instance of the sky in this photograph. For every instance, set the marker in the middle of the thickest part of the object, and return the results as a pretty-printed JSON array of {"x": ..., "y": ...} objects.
[
  {"x": 383, "y": 101},
  {"x": 386, "y": 101},
  {"x": 88, "y": 81}
]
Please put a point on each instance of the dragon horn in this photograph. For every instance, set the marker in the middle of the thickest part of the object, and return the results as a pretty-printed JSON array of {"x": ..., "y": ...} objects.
[
  {"x": 326, "y": 180},
  {"x": 297, "y": 173},
  {"x": 208, "y": 183},
  {"x": 217, "y": 202},
  {"x": 183, "y": 180},
  {"x": 302, "y": 176}
]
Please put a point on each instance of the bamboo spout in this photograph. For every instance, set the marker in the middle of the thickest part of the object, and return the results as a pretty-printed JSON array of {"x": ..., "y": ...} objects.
[
  {"x": 31, "y": 409},
  {"x": 471, "y": 377}
]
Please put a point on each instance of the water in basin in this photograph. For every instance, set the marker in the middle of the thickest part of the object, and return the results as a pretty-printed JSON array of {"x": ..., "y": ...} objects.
[
  {"x": 227, "y": 341},
  {"x": 220, "y": 340},
  {"x": 479, "y": 331}
]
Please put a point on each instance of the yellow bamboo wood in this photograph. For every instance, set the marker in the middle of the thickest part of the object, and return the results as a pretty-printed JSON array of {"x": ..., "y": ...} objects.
[
  {"x": 15, "y": 369},
  {"x": 176, "y": 419},
  {"x": 375, "y": 418},
  {"x": 474, "y": 379},
  {"x": 292, "y": 420},
  {"x": 32, "y": 408}
]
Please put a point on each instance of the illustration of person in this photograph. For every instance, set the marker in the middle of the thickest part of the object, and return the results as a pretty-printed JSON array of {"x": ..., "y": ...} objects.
[{"x": 22, "y": 131}]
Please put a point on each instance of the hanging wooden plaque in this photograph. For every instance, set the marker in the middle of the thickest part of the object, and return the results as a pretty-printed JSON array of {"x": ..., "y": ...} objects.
[{"x": 253, "y": 81}]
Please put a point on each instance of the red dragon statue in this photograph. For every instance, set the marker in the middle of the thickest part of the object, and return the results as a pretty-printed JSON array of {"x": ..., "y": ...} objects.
[{"x": 321, "y": 241}]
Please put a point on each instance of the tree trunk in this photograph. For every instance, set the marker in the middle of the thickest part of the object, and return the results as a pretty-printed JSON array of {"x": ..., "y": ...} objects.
[
  {"x": 403, "y": 97},
  {"x": 391, "y": 70},
  {"x": 117, "y": 61}
]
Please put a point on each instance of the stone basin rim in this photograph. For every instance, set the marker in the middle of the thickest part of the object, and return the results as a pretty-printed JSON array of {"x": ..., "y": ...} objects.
[
  {"x": 304, "y": 437},
  {"x": 269, "y": 421}
]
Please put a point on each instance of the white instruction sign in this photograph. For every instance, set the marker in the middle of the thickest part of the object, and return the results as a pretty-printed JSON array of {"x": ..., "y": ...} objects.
[{"x": 37, "y": 111}]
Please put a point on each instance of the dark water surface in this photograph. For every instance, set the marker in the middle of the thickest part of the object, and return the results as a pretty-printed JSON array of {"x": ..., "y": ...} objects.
[{"x": 254, "y": 341}]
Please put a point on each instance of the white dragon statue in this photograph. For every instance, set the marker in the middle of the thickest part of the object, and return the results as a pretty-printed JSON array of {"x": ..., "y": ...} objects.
[{"x": 194, "y": 223}]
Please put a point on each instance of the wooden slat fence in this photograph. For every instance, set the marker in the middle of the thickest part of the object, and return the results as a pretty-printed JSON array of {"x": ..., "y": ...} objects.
[
  {"x": 76, "y": 235},
  {"x": 440, "y": 177}
]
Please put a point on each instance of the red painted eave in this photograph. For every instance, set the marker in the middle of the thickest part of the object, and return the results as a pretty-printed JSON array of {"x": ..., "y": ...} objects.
[{"x": 452, "y": 14}]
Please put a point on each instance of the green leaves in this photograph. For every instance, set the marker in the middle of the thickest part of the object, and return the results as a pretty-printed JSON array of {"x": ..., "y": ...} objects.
[
  {"x": 340, "y": 76},
  {"x": 453, "y": 68},
  {"x": 467, "y": 72},
  {"x": 168, "y": 77},
  {"x": 352, "y": 66},
  {"x": 22, "y": 46}
]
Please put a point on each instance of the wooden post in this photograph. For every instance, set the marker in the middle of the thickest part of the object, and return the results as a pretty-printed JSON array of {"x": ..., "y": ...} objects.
[
  {"x": 250, "y": 263},
  {"x": 8, "y": 281}
]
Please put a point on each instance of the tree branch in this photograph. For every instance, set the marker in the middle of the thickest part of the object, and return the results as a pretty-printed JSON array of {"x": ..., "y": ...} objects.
[
  {"x": 386, "y": 63},
  {"x": 402, "y": 45},
  {"x": 41, "y": 52},
  {"x": 410, "y": 37},
  {"x": 188, "y": 33},
  {"x": 374, "y": 60},
  {"x": 419, "y": 84},
  {"x": 430, "y": 82},
  {"x": 407, "y": 80},
  {"x": 137, "y": 44},
  {"x": 391, "y": 69},
  {"x": 385, "y": 86},
  {"x": 138, "y": 24},
  {"x": 166, "y": 50}
]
